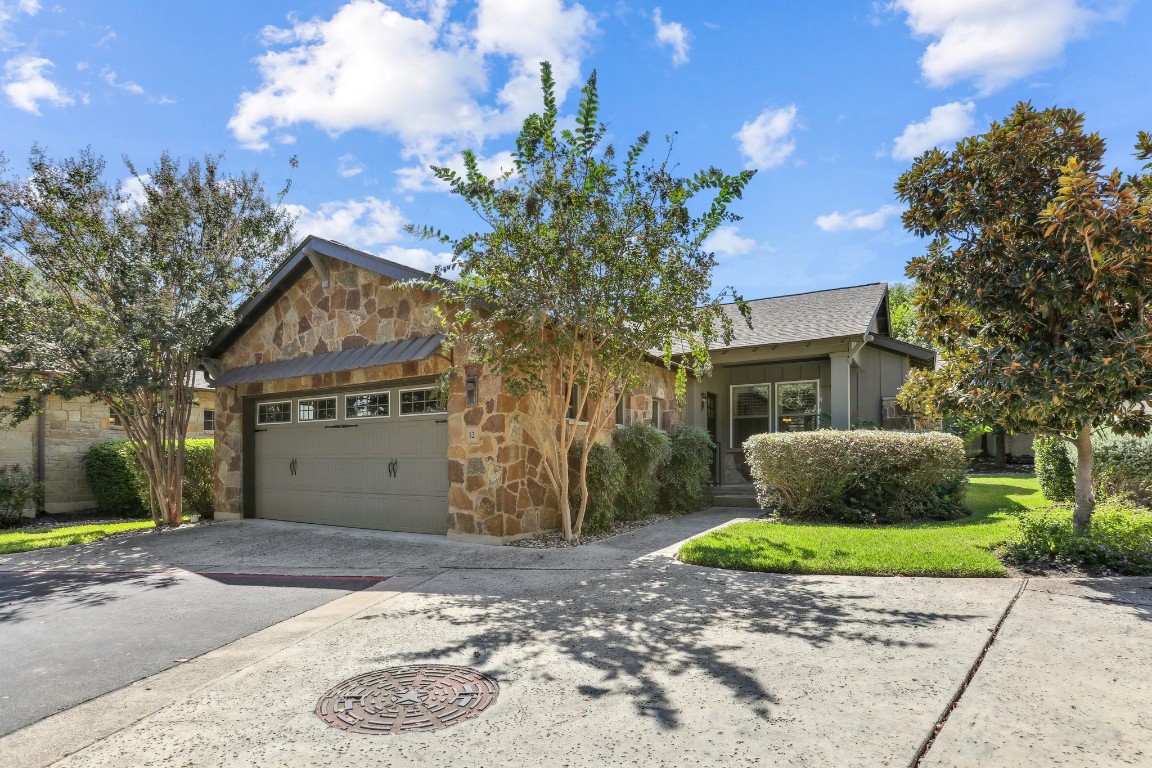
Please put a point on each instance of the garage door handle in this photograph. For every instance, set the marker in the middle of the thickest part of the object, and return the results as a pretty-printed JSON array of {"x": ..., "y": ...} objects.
[
  {"x": 393, "y": 468},
  {"x": 292, "y": 467}
]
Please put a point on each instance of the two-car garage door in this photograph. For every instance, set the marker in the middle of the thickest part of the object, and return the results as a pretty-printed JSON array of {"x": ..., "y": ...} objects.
[{"x": 371, "y": 459}]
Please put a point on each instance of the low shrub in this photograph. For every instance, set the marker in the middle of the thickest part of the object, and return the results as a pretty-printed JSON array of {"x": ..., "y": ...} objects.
[
  {"x": 1054, "y": 469},
  {"x": 1119, "y": 539},
  {"x": 1122, "y": 467},
  {"x": 643, "y": 448},
  {"x": 18, "y": 488},
  {"x": 683, "y": 476},
  {"x": 120, "y": 486},
  {"x": 115, "y": 478},
  {"x": 606, "y": 478},
  {"x": 859, "y": 476}
]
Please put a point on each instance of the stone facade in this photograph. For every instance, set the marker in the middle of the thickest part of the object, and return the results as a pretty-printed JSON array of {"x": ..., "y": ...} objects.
[
  {"x": 70, "y": 426},
  {"x": 497, "y": 485}
]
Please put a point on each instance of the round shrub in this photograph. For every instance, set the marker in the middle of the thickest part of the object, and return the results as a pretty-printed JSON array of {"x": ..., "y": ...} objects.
[
  {"x": 859, "y": 476},
  {"x": 1054, "y": 469},
  {"x": 606, "y": 477},
  {"x": 114, "y": 476},
  {"x": 684, "y": 474},
  {"x": 1122, "y": 467},
  {"x": 643, "y": 449}
]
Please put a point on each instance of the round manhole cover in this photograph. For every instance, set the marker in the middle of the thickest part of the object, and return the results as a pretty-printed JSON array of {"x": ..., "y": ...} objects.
[{"x": 407, "y": 699}]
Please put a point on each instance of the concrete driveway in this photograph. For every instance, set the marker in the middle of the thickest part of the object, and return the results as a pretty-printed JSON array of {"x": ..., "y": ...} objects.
[{"x": 615, "y": 654}]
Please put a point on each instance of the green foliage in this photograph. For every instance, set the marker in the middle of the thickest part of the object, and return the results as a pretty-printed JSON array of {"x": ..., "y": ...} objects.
[
  {"x": 18, "y": 488},
  {"x": 1120, "y": 539},
  {"x": 1122, "y": 468},
  {"x": 588, "y": 261},
  {"x": 606, "y": 479},
  {"x": 1054, "y": 469},
  {"x": 120, "y": 486},
  {"x": 643, "y": 449},
  {"x": 684, "y": 473},
  {"x": 117, "y": 295},
  {"x": 63, "y": 536},
  {"x": 113, "y": 474},
  {"x": 902, "y": 310},
  {"x": 859, "y": 476}
]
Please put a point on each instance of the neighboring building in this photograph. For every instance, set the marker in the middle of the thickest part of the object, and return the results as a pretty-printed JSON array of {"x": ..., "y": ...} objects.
[
  {"x": 53, "y": 443},
  {"x": 327, "y": 406}
]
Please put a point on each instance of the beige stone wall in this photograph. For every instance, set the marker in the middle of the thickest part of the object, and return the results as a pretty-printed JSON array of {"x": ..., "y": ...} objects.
[
  {"x": 499, "y": 488},
  {"x": 71, "y": 426}
]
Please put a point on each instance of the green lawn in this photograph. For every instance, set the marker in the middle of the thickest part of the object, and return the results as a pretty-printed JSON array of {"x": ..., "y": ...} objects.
[
  {"x": 26, "y": 541},
  {"x": 954, "y": 548}
]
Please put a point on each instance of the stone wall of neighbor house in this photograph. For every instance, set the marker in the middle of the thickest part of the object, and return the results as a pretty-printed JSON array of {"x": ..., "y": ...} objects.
[
  {"x": 357, "y": 308},
  {"x": 71, "y": 426},
  {"x": 499, "y": 489}
]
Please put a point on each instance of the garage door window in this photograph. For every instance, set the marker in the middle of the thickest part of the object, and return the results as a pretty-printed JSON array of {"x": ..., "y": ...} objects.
[
  {"x": 417, "y": 401},
  {"x": 274, "y": 413},
  {"x": 320, "y": 409},
  {"x": 369, "y": 405}
]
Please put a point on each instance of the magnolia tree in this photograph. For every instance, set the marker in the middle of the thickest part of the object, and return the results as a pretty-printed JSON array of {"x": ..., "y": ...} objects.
[
  {"x": 1037, "y": 282},
  {"x": 590, "y": 267},
  {"x": 111, "y": 293}
]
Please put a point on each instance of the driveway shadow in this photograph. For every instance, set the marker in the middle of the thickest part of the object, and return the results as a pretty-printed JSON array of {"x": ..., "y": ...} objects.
[
  {"x": 1135, "y": 592},
  {"x": 21, "y": 592},
  {"x": 639, "y": 627}
]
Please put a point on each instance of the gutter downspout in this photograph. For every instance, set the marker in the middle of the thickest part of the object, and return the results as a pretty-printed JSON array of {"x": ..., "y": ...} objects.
[{"x": 41, "y": 449}]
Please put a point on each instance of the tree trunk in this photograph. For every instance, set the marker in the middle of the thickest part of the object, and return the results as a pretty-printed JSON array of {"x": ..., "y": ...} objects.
[{"x": 1085, "y": 500}]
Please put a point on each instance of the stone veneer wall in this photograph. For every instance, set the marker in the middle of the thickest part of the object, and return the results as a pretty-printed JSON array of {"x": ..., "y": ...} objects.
[
  {"x": 499, "y": 489},
  {"x": 357, "y": 308},
  {"x": 72, "y": 426}
]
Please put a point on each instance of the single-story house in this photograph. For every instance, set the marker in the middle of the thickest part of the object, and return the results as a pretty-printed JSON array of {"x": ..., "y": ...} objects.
[
  {"x": 54, "y": 441},
  {"x": 328, "y": 410}
]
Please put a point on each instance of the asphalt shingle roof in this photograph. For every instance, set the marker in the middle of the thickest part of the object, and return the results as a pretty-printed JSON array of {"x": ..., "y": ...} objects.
[{"x": 806, "y": 316}]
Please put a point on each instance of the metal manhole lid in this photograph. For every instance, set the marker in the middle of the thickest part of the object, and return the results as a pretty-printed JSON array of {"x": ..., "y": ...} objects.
[{"x": 407, "y": 699}]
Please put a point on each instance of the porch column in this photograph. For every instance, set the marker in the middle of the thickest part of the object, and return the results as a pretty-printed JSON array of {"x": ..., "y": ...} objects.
[{"x": 841, "y": 390}]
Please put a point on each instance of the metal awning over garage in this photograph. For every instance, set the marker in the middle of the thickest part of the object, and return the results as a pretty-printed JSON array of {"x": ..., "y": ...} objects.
[{"x": 404, "y": 351}]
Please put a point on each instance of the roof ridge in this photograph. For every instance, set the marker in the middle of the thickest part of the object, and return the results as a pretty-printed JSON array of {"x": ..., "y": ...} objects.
[{"x": 809, "y": 293}]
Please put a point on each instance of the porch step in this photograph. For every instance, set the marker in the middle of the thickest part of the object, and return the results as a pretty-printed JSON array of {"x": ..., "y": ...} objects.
[{"x": 743, "y": 500}]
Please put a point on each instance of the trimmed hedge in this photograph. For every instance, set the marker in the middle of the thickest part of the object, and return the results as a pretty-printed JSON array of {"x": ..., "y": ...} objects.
[
  {"x": 643, "y": 449},
  {"x": 859, "y": 476},
  {"x": 1054, "y": 469},
  {"x": 684, "y": 474},
  {"x": 121, "y": 487}
]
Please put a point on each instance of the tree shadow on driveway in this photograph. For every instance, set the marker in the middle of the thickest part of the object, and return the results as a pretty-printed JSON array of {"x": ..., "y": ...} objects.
[
  {"x": 639, "y": 627},
  {"x": 22, "y": 592}
]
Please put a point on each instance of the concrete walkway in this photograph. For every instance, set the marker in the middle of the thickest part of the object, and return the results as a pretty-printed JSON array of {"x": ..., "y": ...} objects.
[{"x": 615, "y": 654}]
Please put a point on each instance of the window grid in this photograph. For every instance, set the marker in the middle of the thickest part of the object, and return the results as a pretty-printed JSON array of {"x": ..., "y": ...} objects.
[
  {"x": 274, "y": 413},
  {"x": 369, "y": 405},
  {"x": 751, "y": 411},
  {"x": 414, "y": 402},
  {"x": 317, "y": 409}
]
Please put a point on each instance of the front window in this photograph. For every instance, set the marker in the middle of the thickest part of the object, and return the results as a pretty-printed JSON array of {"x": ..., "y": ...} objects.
[
  {"x": 622, "y": 411},
  {"x": 657, "y": 413},
  {"x": 417, "y": 401},
  {"x": 751, "y": 412},
  {"x": 318, "y": 409},
  {"x": 274, "y": 413},
  {"x": 209, "y": 421},
  {"x": 798, "y": 406}
]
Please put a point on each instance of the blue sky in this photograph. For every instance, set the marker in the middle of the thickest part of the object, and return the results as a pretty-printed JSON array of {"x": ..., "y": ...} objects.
[{"x": 830, "y": 100}]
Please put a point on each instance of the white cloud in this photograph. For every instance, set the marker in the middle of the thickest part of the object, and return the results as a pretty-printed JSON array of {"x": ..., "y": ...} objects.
[
  {"x": 109, "y": 76},
  {"x": 363, "y": 223},
  {"x": 26, "y": 86},
  {"x": 347, "y": 166},
  {"x": 417, "y": 258},
  {"x": 947, "y": 122},
  {"x": 419, "y": 77},
  {"x": 672, "y": 34},
  {"x": 992, "y": 42},
  {"x": 726, "y": 241},
  {"x": 132, "y": 190},
  {"x": 767, "y": 141},
  {"x": 8, "y": 12},
  {"x": 838, "y": 222}
]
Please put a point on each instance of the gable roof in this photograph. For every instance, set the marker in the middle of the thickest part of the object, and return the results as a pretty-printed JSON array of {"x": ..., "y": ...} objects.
[
  {"x": 829, "y": 314},
  {"x": 292, "y": 269}
]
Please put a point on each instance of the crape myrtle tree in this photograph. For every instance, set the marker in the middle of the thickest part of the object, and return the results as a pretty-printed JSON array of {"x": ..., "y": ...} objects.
[
  {"x": 112, "y": 295},
  {"x": 1036, "y": 283},
  {"x": 590, "y": 266}
]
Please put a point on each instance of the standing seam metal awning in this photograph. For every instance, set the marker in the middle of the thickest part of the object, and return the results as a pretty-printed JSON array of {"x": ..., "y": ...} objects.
[{"x": 403, "y": 351}]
